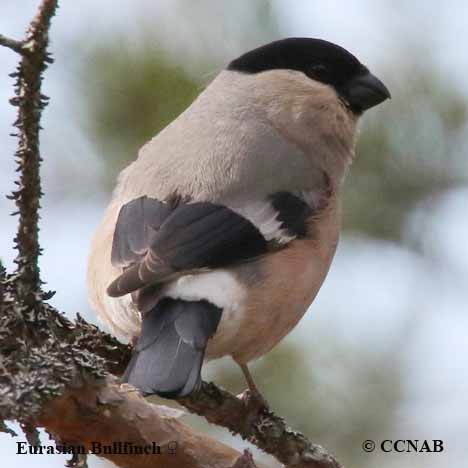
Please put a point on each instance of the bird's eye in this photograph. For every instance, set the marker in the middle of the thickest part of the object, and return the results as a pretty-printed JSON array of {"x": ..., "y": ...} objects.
[
  {"x": 317, "y": 71},
  {"x": 318, "y": 68}
]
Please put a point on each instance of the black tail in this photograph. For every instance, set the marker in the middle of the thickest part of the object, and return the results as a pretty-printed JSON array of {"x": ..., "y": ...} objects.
[{"x": 169, "y": 353}]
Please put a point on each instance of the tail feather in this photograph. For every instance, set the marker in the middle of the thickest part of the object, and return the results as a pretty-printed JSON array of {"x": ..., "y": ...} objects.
[{"x": 169, "y": 353}]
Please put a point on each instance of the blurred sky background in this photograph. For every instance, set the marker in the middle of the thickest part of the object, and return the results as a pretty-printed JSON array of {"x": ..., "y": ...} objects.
[{"x": 382, "y": 352}]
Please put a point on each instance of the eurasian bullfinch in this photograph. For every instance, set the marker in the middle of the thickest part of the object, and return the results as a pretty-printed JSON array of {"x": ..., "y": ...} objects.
[{"x": 220, "y": 234}]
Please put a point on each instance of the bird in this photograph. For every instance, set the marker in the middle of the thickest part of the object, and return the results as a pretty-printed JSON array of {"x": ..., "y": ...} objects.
[{"x": 220, "y": 234}]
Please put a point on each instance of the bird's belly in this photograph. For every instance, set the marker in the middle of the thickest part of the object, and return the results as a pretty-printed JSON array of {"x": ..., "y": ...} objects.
[{"x": 279, "y": 289}]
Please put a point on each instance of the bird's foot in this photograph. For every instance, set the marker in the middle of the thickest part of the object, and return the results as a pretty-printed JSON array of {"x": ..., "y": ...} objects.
[{"x": 254, "y": 400}]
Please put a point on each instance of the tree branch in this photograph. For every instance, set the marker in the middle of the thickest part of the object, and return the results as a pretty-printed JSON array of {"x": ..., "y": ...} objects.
[
  {"x": 110, "y": 414},
  {"x": 30, "y": 103},
  {"x": 17, "y": 46},
  {"x": 264, "y": 429}
]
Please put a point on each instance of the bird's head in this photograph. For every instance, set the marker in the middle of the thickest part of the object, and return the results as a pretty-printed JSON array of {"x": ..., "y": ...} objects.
[{"x": 320, "y": 61}]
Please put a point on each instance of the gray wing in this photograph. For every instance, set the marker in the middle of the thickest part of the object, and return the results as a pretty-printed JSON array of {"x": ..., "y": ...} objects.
[{"x": 155, "y": 241}]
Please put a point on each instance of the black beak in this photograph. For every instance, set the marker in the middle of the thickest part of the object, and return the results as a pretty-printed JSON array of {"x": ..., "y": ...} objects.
[{"x": 364, "y": 92}]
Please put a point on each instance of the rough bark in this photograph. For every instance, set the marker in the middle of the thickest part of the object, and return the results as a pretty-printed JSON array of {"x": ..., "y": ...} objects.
[
  {"x": 30, "y": 103},
  {"x": 261, "y": 427},
  {"x": 109, "y": 413}
]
